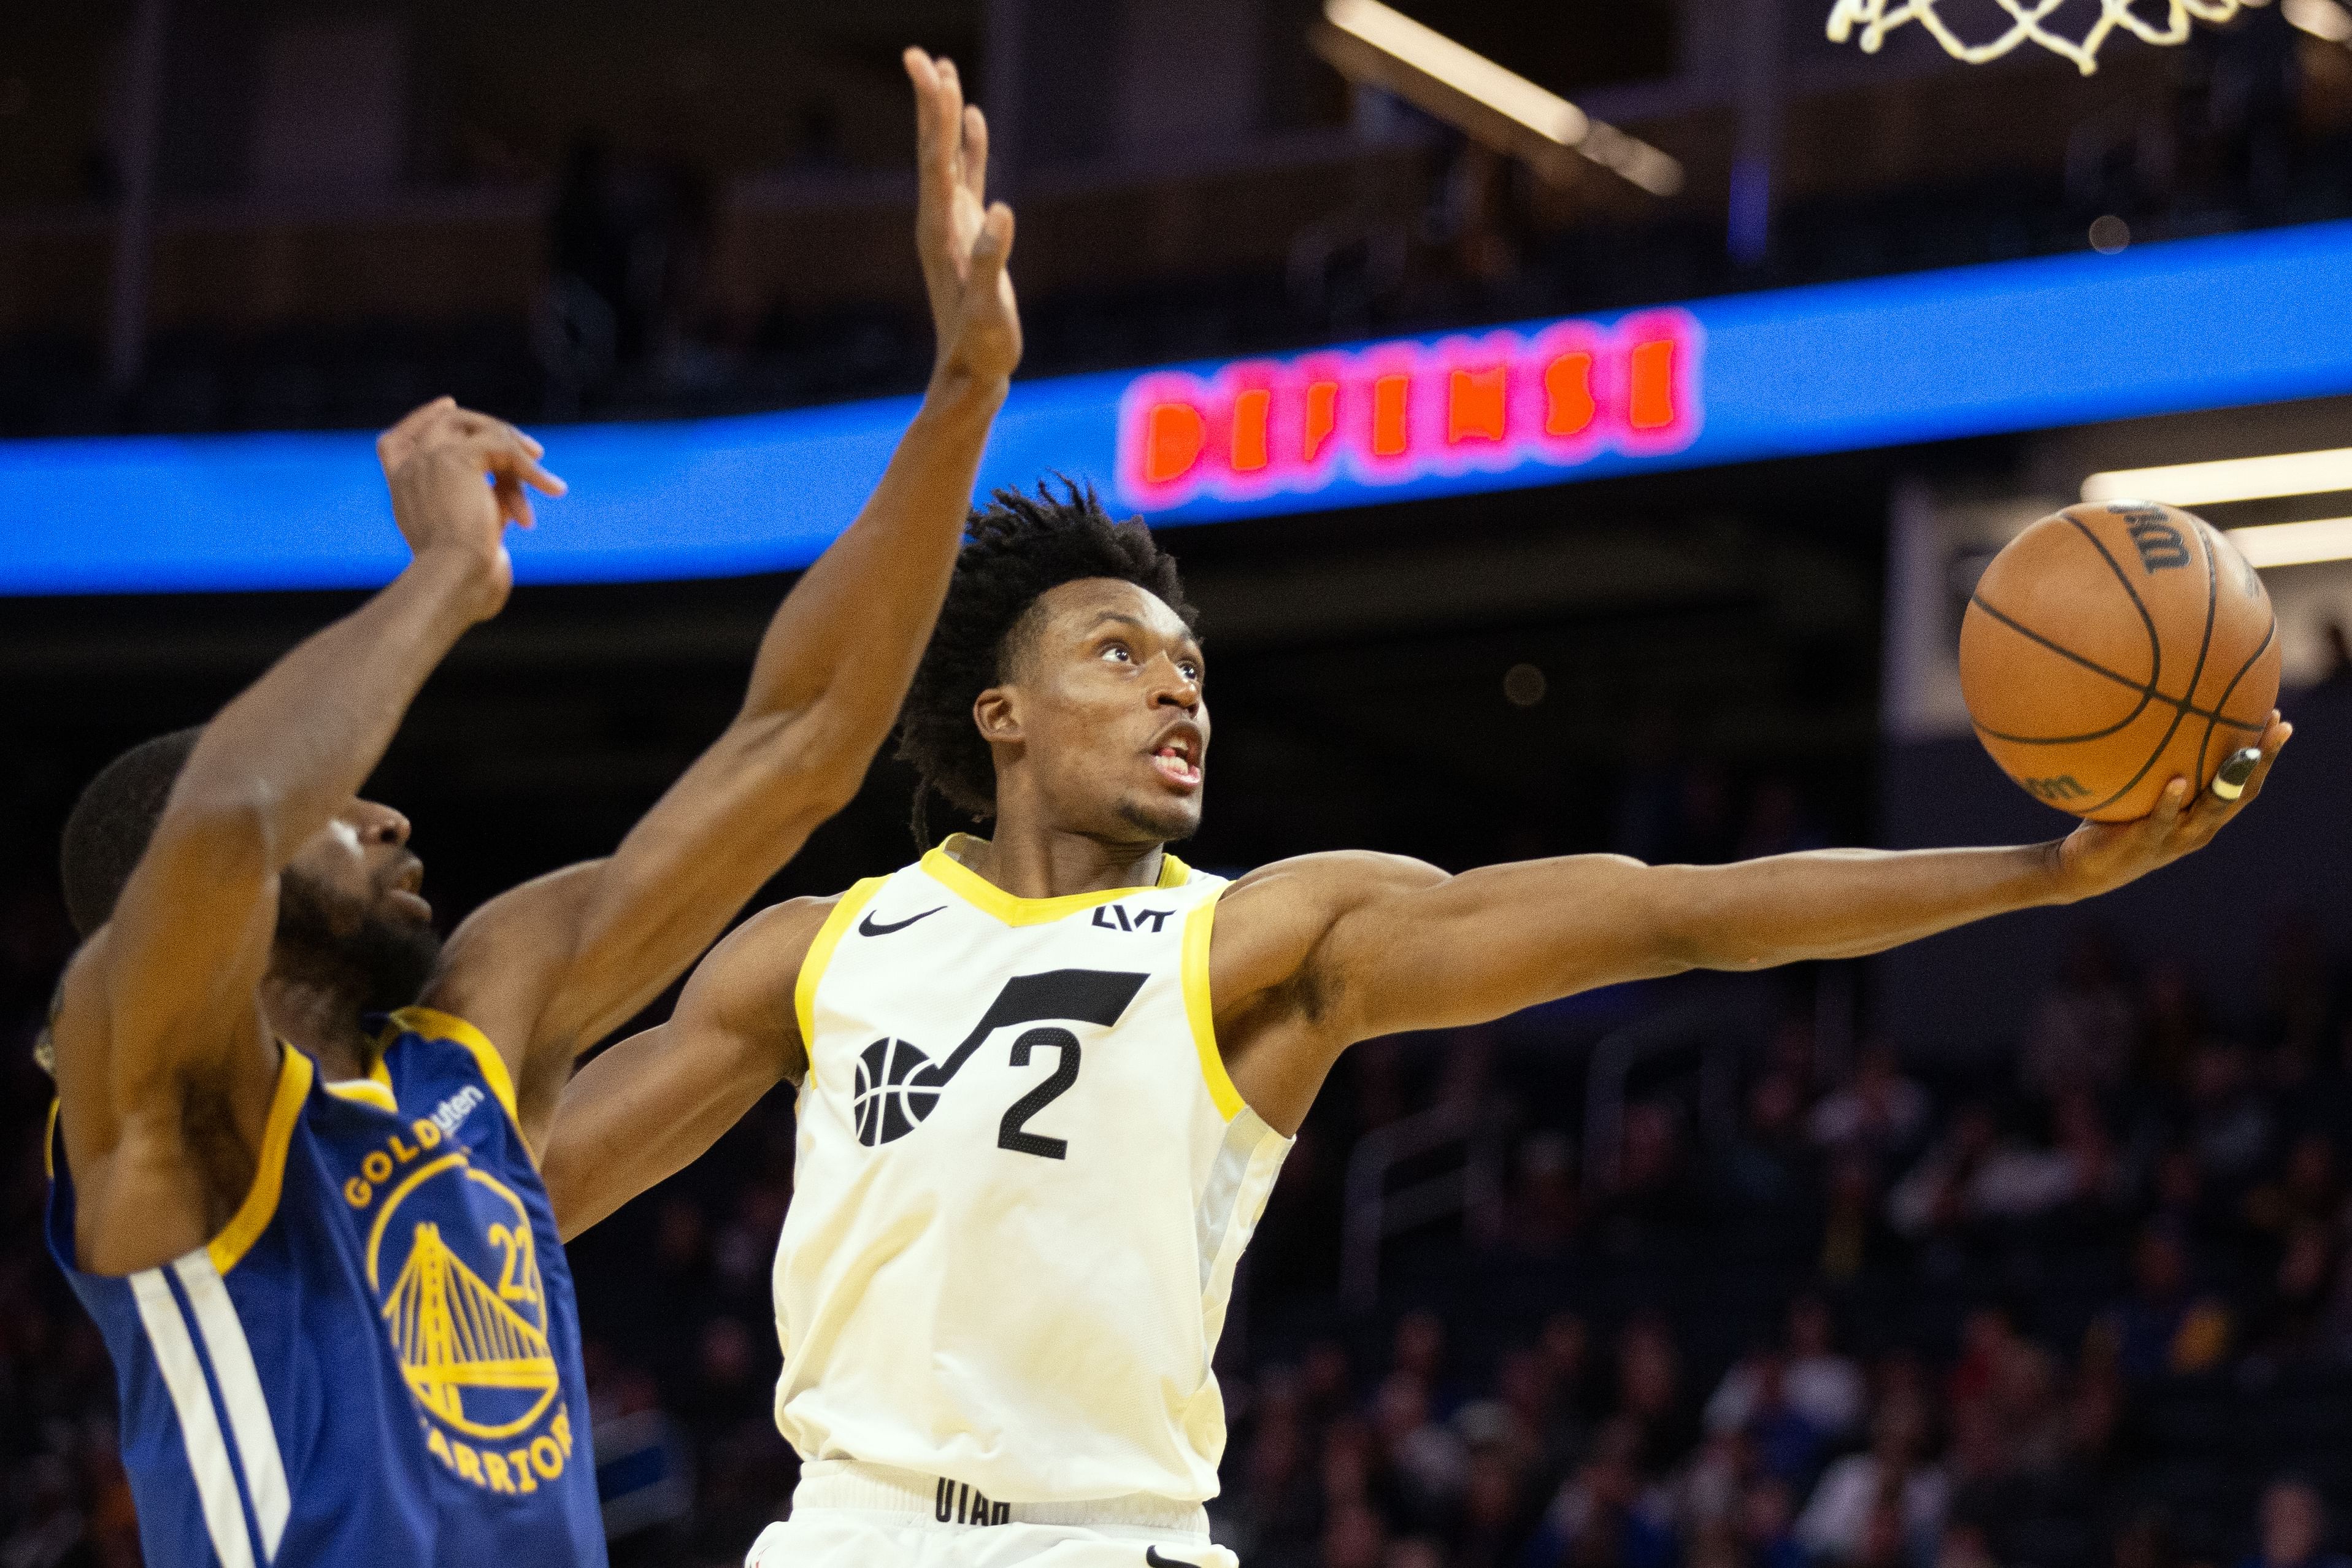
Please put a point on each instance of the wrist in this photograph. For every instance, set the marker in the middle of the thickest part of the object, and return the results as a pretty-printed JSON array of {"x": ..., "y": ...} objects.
[
  {"x": 2056, "y": 876},
  {"x": 959, "y": 390},
  {"x": 468, "y": 582}
]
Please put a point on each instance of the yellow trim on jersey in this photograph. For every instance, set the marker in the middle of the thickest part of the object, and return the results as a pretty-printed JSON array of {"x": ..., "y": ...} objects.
[
  {"x": 260, "y": 1205},
  {"x": 49, "y": 1141},
  {"x": 820, "y": 954},
  {"x": 1200, "y": 1015},
  {"x": 438, "y": 1025},
  {"x": 991, "y": 899},
  {"x": 375, "y": 1088}
]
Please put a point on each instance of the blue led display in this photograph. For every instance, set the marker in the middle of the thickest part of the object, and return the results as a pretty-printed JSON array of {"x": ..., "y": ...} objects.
[{"x": 2192, "y": 324}]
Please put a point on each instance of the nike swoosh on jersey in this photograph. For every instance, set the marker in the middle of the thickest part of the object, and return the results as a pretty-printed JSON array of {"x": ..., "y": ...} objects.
[
  {"x": 1151, "y": 1556},
  {"x": 867, "y": 928}
]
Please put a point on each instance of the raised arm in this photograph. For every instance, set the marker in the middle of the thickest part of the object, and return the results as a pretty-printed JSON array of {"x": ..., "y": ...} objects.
[
  {"x": 655, "y": 1102},
  {"x": 555, "y": 966},
  {"x": 159, "y": 1012},
  {"x": 1318, "y": 953}
]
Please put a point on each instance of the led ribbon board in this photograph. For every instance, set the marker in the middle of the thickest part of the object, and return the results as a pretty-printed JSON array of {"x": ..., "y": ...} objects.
[{"x": 2024, "y": 345}]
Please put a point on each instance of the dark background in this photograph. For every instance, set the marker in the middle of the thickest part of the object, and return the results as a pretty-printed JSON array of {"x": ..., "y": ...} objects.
[{"x": 599, "y": 210}]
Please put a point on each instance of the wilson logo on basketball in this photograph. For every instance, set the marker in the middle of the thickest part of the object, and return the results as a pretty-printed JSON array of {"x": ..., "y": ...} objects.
[
  {"x": 2095, "y": 685},
  {"x": 899, "y": 1086},
  {"x": 2160, "y": 546}
]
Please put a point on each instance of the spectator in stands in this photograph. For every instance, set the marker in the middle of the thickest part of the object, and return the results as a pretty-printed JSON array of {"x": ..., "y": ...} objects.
[
  {"x": 1822, "y": 1386},
  {"x": 1494, "y": 1517},
  {"x": 1599, "y": 1518},
  {"x": 1880, "y": 1112},
  {"x": 2230, "y": 1123},
  {"x": 2163, "y": 1327},
  {"x": 2082, "y": 1031},
  {"x": 1650, "y": 1394},
  {"x": 1768, "y": 1535},
  {"x": 2173, "y": 1027},
  {"x": 2294, "y": 1320},
  {"x": 1769, "y": 1167},
  {"x": 1851, "y": 1235},
  {"x": 1545, "y": 1208},
  {"x": 2294, "y": 1529},
  {"x": 1355, "y": 1538},
  {"x": 1425, "y": 1456},
  {"x": 1844, "y": 1521}
]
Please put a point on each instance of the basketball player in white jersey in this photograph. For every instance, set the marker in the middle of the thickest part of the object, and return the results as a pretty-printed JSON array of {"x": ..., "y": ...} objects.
[{"x": 1046, "y": 1077}]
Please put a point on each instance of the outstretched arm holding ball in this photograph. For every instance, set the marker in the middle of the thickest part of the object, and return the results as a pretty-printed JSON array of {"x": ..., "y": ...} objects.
[{"x": 1313, "y": 954}]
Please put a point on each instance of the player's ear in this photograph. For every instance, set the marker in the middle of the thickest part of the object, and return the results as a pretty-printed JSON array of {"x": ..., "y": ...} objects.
[{"x": 997, "y": 711}]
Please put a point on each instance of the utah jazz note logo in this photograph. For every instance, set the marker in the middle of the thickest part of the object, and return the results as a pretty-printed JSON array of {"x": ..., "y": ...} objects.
[{"x": 899, "y": 1086}]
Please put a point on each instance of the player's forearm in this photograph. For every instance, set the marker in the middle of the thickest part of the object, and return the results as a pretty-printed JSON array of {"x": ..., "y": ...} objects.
[
  {"x": 843, "y": 645},
  {"x": 290, "y": 749},
  {"x": 1840, "y": 903}
]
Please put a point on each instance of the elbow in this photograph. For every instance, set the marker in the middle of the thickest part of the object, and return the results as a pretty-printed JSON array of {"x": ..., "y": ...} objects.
[
  {"x": 231, "y": 827},
  {"x": 1681, "y": 936}
]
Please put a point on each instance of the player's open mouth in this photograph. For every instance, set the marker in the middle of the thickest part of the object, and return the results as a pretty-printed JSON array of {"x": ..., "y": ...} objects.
[{"x": 1174, "y": 761}]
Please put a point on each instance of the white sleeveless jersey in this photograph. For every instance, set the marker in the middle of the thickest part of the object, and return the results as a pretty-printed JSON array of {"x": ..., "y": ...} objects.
[{"x": 1023, "y": 1183}]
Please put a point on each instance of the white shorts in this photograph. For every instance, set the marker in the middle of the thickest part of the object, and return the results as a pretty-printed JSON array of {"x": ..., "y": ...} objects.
[{"x": 862, "y": 1516}]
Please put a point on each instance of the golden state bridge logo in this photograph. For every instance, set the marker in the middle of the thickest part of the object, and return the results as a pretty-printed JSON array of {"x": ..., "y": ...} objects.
[{"x": 451, "y": 1258}]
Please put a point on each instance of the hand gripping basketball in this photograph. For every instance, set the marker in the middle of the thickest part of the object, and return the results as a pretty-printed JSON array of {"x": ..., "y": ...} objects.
[
  {"x": 2114, "y": 646},
  {"x": 2099, "y": 857}
]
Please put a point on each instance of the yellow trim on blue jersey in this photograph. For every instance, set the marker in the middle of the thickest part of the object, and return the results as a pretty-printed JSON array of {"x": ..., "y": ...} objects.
[
  {"x": 375, "y": 1088},
  {"x": 260, "y": 1205},
  {"x": 820, "y": 954},
  {"x": 49, "y": 1141},
  {"x": 1200, "y": 1013},
  {"x": 991, "y": 899},
  {"x": 438, "y": 1025}
]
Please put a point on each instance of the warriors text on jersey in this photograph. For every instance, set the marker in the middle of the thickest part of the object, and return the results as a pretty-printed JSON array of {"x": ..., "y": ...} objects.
[
  {"x": 1024, "y": 1182},
  {"x": 377, "y": 1363}
]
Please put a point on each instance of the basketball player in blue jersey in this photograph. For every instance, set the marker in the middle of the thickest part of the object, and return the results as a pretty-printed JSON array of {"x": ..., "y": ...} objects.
[
  {"x": 1047, "y": 1079},
  {"x": 315, "y": 1239}
]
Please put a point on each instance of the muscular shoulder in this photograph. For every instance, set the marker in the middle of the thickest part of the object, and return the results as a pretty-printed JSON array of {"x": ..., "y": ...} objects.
[
  {"x": 754, "y": 971},
  {"x": 1272, "y": 921}
]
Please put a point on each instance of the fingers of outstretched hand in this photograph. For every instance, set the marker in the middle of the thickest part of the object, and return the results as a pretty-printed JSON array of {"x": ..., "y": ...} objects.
[
  {"x": 2218, "y": 810},
  {"x": 992, "y": 246},
  {"x": 400, "y": 440},
  {"x": 2275, "y": 735},
  {"x": 939, "y": 120},
  {"x": 514, "y": 501},
  {"x": 974, "y": 168}
]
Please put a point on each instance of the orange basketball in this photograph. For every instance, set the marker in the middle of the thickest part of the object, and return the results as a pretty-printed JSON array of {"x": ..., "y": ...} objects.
[{"x": 2114, "y": 646}]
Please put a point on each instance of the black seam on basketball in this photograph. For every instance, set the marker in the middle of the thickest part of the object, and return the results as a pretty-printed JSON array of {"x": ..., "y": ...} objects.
[
  {"x": 2096, "y": 669},
  {"x": 2196, "y": 673},
  {"x": 2146, "y": 621},
  {"x": 2124, "y": 723},
  {"x": 2269, "y": 636}
]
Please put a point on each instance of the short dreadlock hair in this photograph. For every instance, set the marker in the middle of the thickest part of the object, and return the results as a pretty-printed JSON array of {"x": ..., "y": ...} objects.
[
  {"x": 1015, "y": 551},
  {"x": 110, "y": 826}
]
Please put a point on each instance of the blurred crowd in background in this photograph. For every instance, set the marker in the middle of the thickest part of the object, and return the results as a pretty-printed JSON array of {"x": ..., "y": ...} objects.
[{"x": 1794, "y": 1301}]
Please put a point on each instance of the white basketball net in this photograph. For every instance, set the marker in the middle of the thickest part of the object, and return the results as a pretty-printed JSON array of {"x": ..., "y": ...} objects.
[{"x": 1876, "y": 18}]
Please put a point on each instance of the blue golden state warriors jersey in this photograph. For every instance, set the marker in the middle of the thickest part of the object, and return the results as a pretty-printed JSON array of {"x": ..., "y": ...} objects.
[{"x": 377, "y": 1363}]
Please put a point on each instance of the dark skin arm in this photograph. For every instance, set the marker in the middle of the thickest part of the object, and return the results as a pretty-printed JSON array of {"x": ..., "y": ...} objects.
[
  {"x": 734, "y": 1036},
  {"x": 552, "y": 967},
  {"x": 1313, "y": 954},
  {"x": 165, "y": 1065}
]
